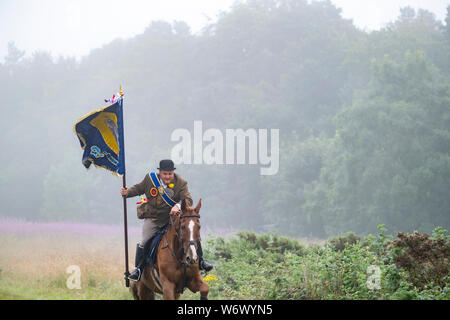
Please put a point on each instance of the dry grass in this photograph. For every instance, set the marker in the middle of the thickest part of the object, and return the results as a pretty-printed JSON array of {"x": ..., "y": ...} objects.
[
  {"x": 34, "y": 258},
  {"x": 50, "y": 255},
  {"x": 33, "y": 264}
]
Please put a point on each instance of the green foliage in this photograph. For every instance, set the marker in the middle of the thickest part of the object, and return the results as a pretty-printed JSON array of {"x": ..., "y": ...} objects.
[
  {"x": 339, "y": 243},
  {"x": 55, "y": 288},
  {"x": 386, "y": 163},
  {"x": 271, "y": 242},
  {"x": 253, "y": 269},
  {"x": 439, "y": 233}
]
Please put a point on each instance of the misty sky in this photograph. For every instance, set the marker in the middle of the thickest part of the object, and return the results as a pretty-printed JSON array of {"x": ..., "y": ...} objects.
[{"x": 74, "y": 27}]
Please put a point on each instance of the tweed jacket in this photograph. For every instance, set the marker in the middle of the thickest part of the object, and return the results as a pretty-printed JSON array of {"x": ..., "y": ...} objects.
[{"x": 156, "y": 208}]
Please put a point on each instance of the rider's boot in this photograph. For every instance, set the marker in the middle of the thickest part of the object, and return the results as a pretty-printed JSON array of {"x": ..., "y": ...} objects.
[
  {"x": 139, "y": 264},
  {"x": 202, "y": 264}
]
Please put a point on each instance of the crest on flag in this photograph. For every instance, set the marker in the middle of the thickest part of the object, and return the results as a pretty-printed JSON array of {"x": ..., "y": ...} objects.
[{"x": 101, "y": 137}]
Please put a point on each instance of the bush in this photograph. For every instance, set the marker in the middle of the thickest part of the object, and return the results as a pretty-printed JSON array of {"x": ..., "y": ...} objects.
[
  {"x": 267, "y": 266},
  {"x": 426, "y": 259},
  {"x": 271, "y": 242},
  {"x": 339, "y": 243}
]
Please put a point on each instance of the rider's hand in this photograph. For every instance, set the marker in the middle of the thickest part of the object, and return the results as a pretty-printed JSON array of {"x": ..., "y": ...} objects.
[
  {"x": 175, "y": 210},
  {"x": 124, "y": 191}
]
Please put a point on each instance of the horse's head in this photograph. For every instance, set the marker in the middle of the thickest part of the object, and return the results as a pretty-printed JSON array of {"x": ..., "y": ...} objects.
[{"x": 190, "y": 231}]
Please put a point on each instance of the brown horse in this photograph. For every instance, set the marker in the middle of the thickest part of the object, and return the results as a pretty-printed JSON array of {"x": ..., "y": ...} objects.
[{"x": 176, "y": 266}]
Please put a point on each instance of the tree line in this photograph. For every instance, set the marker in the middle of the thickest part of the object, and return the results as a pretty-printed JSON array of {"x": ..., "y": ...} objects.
[{"x": 364, "y": 119}]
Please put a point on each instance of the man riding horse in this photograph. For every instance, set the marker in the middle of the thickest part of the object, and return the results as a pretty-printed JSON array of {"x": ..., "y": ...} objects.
[{"x": 160, "y": 190}]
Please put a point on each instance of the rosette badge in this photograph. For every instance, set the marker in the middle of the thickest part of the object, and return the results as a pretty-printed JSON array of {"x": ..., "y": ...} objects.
[{"x": 153, "y": 192}]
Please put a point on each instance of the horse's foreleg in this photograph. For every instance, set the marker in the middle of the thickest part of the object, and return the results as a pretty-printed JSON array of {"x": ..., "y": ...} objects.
[
  {"x": 168, "y": 289},
  {"x": 140, "y": 291},
  {"x": 134, "y": 290},
  {"x": 199, "y": 285},
  {"x": 204, "y": 290}
]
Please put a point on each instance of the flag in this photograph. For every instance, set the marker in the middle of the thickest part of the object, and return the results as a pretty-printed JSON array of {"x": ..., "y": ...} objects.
[{"x": 101, "y": 137}]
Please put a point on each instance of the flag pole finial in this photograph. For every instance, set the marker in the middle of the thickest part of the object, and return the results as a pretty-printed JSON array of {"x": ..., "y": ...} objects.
[{"x": 121, "y": 91}]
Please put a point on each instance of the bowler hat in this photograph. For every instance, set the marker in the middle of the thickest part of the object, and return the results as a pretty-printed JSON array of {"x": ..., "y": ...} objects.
[{"x": 166, "y": 165}]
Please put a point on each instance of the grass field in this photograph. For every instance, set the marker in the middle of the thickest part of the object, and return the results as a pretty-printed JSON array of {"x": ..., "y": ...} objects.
[
  {"x": 34, "y": 263},
  {"x": 35, "y": 257}
]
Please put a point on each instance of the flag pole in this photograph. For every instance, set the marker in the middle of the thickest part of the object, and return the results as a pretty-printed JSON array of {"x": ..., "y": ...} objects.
[
  {"x": 125, "y": 219},
  {"x": 125, "y": 227}
]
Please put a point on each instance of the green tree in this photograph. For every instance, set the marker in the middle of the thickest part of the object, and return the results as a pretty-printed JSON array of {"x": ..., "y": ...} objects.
[{"x": 389, "y": 161}]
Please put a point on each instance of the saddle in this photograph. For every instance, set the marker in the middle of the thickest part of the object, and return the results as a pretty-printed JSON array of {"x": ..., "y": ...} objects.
[
  {"x": 150, "y": 252},
  {"x": 151, "y": 247}
]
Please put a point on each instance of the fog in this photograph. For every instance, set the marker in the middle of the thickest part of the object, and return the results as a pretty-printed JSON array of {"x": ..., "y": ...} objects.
[
  {"x": 74, "y": 27},
  {"x": 358, "y": 96}
]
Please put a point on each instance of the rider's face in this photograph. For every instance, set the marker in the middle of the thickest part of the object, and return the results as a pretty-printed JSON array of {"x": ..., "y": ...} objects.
[{"x": 166, "y": 176}]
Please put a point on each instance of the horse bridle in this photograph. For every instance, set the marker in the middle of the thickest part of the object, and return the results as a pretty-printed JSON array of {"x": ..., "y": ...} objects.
[
  {"x": 177, "y": 230},
  {"x": 191, "y": 242}
]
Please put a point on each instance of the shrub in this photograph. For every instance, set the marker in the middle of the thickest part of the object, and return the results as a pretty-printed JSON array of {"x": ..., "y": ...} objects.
[
  {"x": 426, "y": 259},
  {"x": 267, "y": 266},
  {"x": 338, "y": 243},
  {"x": 271, "y": 242}
]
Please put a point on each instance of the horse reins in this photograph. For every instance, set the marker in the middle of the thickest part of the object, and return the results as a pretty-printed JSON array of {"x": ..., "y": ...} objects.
[{"x": 191, "y": 242}]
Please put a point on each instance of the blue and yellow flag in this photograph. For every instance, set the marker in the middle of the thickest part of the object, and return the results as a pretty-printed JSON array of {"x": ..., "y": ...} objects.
[{"x": 101, "y": 137}]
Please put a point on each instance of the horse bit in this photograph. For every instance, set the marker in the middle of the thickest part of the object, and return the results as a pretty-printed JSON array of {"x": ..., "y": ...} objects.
[
  {"x": 183, "y": 263},
  {"x": 191, "y": 242}
]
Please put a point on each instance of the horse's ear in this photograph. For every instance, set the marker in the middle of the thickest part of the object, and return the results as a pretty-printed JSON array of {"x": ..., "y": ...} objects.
[
  {"x": 199, "y": 205},
  {"x": 183, "y": 205}
]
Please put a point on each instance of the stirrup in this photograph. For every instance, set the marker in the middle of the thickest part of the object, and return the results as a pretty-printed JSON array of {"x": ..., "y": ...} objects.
[{"x": 132, "y": 276}]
